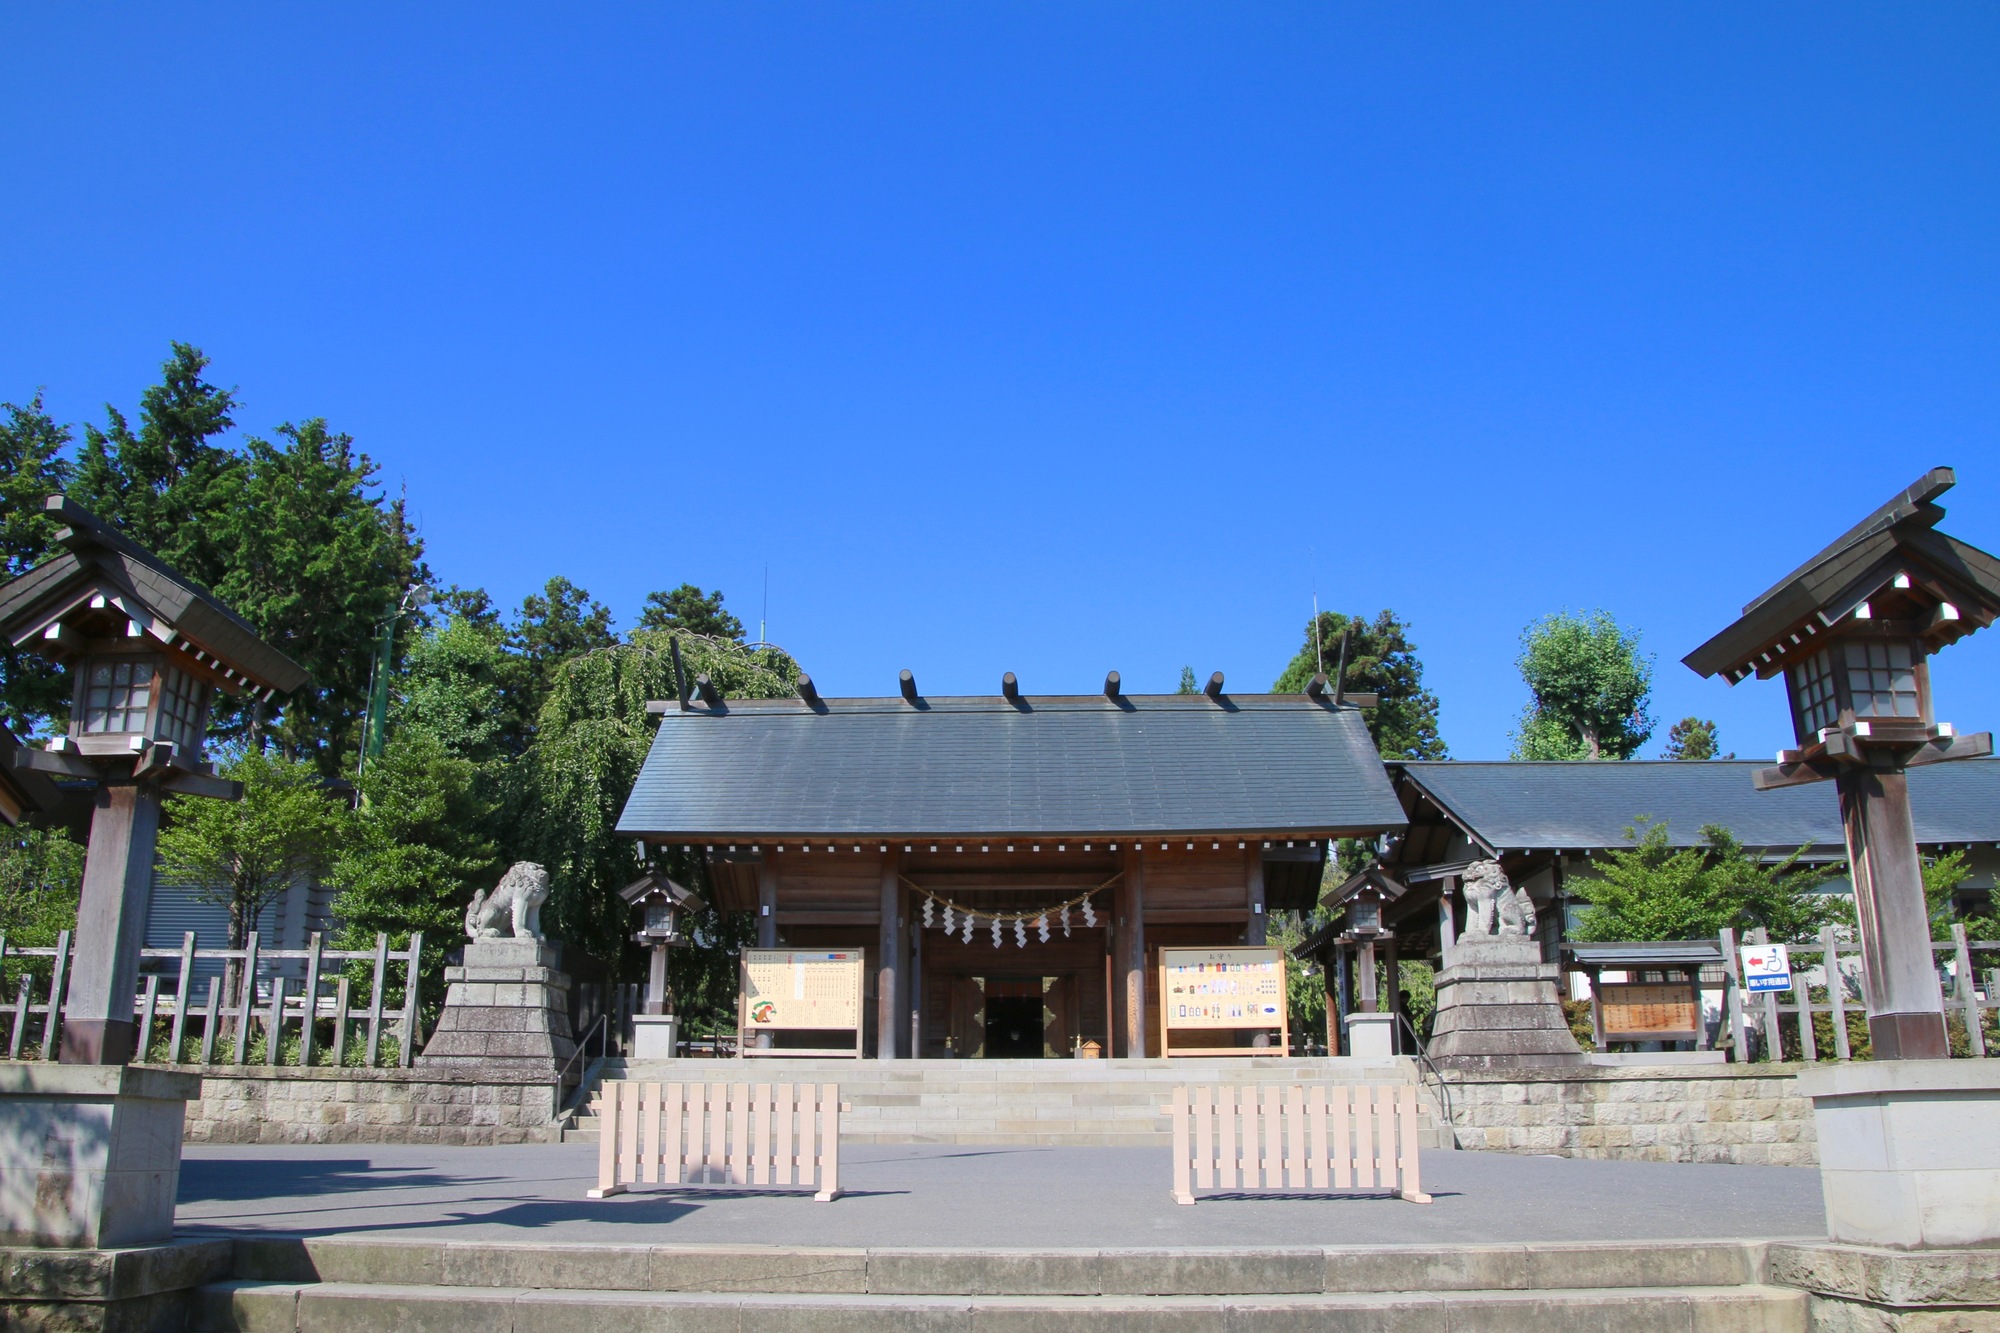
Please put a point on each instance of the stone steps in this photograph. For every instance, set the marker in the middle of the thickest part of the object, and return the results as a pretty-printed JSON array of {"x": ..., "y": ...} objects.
[
  {"x": 361, "y": 1285},
  {"x": 1108, "y": 1103}
]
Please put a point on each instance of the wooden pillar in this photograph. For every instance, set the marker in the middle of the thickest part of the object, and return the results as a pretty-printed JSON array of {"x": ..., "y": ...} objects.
[
  {"x": 111, "y": 925},
  {"x": 1447, "y": 919},
  {"x": 1129, "y": 954},
  {"x": 767, "y": 921},
  {"x": 656, "y": 981},
  {"x": 1367, "y": 979},
  {"x": 1905, "y": 1002},
  {"x": 1330, "y": 973},
  {"x": 767, "y": 903},
  {"x": 1393, "y": 979},
  {"x": 889, "y": 1020},
  {"x": 1344, "y": 990},
  {"x": 1253, "y": 869}
]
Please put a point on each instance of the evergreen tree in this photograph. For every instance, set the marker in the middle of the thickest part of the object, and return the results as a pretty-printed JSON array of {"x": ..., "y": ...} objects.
[
  {"x": 1588, "y": 688},
  {"x": 32, "y": 467},
  {"x": 1692, "y": 738},
  {"x": 553, "y": 626},
  {"x": 452, "y": 689},
  {"x": 1380, "y": 659},
  {"x": 1187, "y": 685},
  {"x": 1653, "y": 891},
  {"x": 690, "y": 609},
  {"x": 41, "y": 877}
]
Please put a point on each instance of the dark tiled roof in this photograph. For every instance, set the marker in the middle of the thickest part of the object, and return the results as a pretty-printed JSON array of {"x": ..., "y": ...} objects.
[
  {"x": 1577, "y": 805},
  {"x": 880, "y": 767}
]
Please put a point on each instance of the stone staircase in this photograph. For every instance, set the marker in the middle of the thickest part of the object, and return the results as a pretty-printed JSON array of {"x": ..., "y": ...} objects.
[
  {"x": 371, "y": 1283},
  {"x": 1088, "y": 1103}
]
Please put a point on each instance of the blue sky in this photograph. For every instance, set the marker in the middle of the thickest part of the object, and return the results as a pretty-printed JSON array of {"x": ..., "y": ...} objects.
[{"x": 1056, "y": 338}]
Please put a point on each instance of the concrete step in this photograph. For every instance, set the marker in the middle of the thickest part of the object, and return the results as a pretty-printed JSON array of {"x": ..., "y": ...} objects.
[
  {"x": 364, "y": 1284},
  {"x": 290, "y": 1308}
]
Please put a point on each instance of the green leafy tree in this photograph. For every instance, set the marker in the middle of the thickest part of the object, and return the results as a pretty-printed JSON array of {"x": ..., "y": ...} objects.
[
  {"x": 315, "y": 558},
  {"x": 1692, "y": 738},
  {"x": 552, "y": 626},
  {"x": 1187, "y": 685},
  {"x": 164, "y": 483},
  {"x": 242, "y": 855},
  {"x": 689, "y": 609},
  {"x": 41, "y": 877},
  {"x": 417, "y": 850},
  {"x": 1655, "y": 891},
  {"x": 32, "y": 467},
  {"x": 567, "y": 790},
  {"x": 1942, "y": 876},
  {"x": 452, "y": 689},
  {"x": 1381, "y": 659},
  {"x": 1589, "y": 689}
]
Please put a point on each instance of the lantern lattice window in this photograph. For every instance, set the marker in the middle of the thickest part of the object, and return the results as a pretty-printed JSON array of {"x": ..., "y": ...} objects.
[
  {"x": 1882, "y": 678},
  {"x": 1813, "y": 689},
  {"x": 117, "y": 695},
  {"x": 182, "y": 704}
]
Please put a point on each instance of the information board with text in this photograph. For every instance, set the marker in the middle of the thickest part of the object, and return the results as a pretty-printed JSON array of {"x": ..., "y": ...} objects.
[
  {"x": 1222, "y": 990},
  {"x": 1654, "y": 1012},
  {"x": 797, "y": 990}
]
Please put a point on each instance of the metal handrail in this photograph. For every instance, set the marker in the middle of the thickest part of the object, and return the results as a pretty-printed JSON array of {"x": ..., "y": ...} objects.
[
  {"x": 581, "y": 1046},
  {"x": 1444, "y": 1089}
]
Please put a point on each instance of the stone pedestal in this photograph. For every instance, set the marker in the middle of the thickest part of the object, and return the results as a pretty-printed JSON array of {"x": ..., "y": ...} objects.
[
  {"x": 1371, "y": 1036},
  {"x": 90, "y": 1155},
  {"x": 506, "y": 1013},
  {"x": 1498, "y": 1006},
  {"x": 1909, "y": 1151},
  {"x": 654, "y": 1036}
]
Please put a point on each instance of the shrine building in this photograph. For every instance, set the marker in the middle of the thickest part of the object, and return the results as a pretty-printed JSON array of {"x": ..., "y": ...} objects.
[{"x": 1012, "y": 865}]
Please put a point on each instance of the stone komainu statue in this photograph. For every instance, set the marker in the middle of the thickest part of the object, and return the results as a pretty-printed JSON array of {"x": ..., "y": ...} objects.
[
  {"x": 1493, "y": 907},
  {"x": 517, "y": 898}
]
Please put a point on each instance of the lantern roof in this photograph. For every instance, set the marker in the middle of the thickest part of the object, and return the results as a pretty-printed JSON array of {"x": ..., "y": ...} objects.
[
  {"x": 1894, "y": 558},
  {"x": 653, "y": 882},
  {"x": 100, "y": 575}
]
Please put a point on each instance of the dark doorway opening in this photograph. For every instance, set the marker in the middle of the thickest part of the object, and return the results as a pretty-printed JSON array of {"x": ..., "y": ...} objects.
[{"x": 1013, "y": 1027}]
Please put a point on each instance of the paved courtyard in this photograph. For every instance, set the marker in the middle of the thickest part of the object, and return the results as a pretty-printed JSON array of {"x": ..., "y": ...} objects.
[{"x": 998, "y": 1197}]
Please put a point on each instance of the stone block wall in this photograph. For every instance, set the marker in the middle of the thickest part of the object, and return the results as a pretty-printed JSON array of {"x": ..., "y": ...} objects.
[
  {"x": 1746, "y": 1114},
  {"x": 249, "y": 1104}
]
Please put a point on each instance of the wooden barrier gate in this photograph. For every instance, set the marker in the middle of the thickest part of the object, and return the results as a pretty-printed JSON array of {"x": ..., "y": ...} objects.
[
  {"x": 1296, "y": 1138},
  {"x": 719, "y": 1134}
]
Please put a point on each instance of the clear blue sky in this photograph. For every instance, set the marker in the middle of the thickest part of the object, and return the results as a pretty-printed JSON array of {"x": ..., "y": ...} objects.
[{"x": 1064, "y": 337}]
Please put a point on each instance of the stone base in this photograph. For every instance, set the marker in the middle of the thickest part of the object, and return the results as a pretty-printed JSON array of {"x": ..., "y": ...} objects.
[
  {"x": 1909, "y": 1151},
  {"x": 506, "y": 1013},
  {"x": 1863, "y": 1289},
  {"x": 1498, "y": 1007},
  {"x": 144, "y": 1290},
  {"x": 90, "y": 1155},
  {"x": 1371, "y": 1036},
  {"x": 654, "y": 1036}
]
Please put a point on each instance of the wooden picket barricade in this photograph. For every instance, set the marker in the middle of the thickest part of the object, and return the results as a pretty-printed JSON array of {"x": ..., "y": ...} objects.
[
  {"x": 723, "y": 1135},
  {"x": 1296, "y": 1138}
]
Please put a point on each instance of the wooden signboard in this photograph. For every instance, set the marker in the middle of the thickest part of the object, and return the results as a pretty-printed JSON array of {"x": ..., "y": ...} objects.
[
  {"x": 799, "y": 990},
  {"x": 1655, "y": 1012},
  {"x": 1223, "y": 990}
]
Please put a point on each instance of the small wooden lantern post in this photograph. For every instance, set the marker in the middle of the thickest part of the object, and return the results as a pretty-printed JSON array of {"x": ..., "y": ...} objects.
[
  {"x": 1852, "y": 632},
  {"x": 146, "y": 648},
  {"x": 663, "y": 905}
]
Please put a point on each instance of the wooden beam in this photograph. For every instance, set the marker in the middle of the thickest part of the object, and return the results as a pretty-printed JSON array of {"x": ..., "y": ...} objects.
[
  {"x": 705, "y": 687},
  {"x": 889, "y": 960},
  {"x": 1010, "y": 688},
  {"x": 808, "y": 691},
  {"x": 1214, "y": 687},
  {"x": 1112, "y": 685},
  {"x": 1316, "y": 687},
  {"x": 907, "y": 681},
  {"x": 1256, "y": 934}
]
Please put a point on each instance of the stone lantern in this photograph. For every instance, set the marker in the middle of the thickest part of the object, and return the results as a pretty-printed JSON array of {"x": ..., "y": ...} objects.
[
  {"x": 663, "y": 907},
  {"x": 146, "y": 648},
  {"x": 1852, "y": 633}
]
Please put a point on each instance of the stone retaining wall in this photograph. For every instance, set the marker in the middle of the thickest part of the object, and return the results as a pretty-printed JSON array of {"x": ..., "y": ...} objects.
[
  {"x": 249, "y": 1104},
  {"x": 1747, "y": 1114}
]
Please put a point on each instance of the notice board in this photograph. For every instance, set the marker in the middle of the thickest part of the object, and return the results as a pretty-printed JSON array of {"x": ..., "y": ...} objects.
[
  {"x": 799, "y": 990},
  {"x": 1668, "y": 1012},
  {"x": 1223, "y": 991}
]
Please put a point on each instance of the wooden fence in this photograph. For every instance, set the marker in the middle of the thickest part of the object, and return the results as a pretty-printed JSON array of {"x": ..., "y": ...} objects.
[
  {"x": 1783, "y": 1020},
  {"x": 167, "y": 1001},
  {"x": 719, "y": 1134},
  {"x": 1296, "y": 1138}
]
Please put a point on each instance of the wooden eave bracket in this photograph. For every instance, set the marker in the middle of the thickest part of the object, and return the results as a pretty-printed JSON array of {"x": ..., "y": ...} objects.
[{"x": 60, "y": 762}]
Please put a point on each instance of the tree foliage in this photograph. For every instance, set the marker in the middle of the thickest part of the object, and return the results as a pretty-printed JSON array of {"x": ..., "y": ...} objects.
[
  {"x": 559, "y": 623},
  {"x": 1588, "y": 686},
  {"x": 1380, "y": 658},
  {"x": 32, "y": 467},
  {"x": 1655, "y": 891},
  {"x": 593, "y": 734},
  {"x": 41, "y": 877},
  {"x": 689, "y": 609},
  {"x": 1187, "y": 685},
  {"x": 1692, "y": 738},
  {"x": 243, "y": 854}
]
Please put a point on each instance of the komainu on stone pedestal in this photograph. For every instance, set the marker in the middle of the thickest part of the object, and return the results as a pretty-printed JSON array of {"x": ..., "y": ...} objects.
[
  {"x": 1497, "y": 1002},
  {"x": 506, "y": 1007}
]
